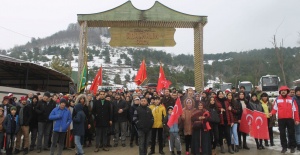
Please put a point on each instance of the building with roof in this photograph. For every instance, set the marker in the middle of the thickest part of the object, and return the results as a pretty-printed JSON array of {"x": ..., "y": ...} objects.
[{"x": 16, "y": 73}]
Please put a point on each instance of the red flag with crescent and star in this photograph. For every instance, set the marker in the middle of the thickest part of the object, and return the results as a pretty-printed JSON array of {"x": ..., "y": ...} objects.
[
  {"x": 162, "y": 81},
  {"x": 177, "y": 111},
  {"x": 141, "y": 75},
  {"x": 259, "y": 125},
  {"x": 246, "y": 120},
  {"x": 96, "y": 82}
]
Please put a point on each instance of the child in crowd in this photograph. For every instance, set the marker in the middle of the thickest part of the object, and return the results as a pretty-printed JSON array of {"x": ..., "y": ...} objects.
[
  {"x": 11, "y": 125},
  {"x": 172, "y": 133}
]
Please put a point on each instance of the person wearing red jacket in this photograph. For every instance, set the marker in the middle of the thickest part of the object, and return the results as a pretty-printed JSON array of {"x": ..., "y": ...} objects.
[
  {"x": 226, "y": 121},
  {"x": 288, "y": 115}
]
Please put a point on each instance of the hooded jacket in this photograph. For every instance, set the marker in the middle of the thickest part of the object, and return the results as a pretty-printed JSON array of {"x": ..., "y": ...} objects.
[
  {"x": 285, "y": 108},
  {"x": 79, "y": 120},
  {"x": 61, "y": 119},
  {"x": 186, "y": 116}
]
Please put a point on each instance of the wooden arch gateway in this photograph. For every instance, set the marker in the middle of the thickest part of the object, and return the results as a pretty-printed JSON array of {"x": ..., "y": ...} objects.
[{"x": 158, "y": 16}]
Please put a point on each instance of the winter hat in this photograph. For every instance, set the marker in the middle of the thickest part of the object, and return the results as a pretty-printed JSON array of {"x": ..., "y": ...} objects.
[
  {"x": 6, "y": 98},
  {"x": 13, "y": 108},
  {"x": 284, "y": 88},
  {"x": 227, "y": 91},
  {"x": 62, "y": 100},
  {"x": 23, "y": 98},
  {"x": 137, "y": 98},
  {"x": 47, "y": 94},
  {"x": 170, "y": 107},
  {"x": 10, "y": 95},
  {"x": 297, "y": 89}
]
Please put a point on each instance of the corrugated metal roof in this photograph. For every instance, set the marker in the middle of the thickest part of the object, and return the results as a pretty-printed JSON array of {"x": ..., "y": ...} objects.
[{"x": 9, "y": 64}]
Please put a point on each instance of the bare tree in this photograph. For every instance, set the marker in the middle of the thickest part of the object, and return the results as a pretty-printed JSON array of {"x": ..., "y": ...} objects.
[
  {"x": 258, "y": 68},
  {"x": 278, "y": 51},
  {"x": 237, "y": 70}
]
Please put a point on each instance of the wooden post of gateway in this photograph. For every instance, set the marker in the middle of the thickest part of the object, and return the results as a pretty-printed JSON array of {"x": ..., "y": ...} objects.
[
  {"x": 198, "y": 57},
  {"x": 82, "y": 47}
]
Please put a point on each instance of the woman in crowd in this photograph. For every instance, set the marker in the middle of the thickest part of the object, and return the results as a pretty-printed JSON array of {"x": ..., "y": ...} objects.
[
  {"x": 187, "y": 112},
  {"x": 255, "y": 105},
  {"x": 214, "y": 122},
  {"x": 226, "y": 121},
  {"x": 236, "y": 110},
  {"x": 267, "y": 107},
  {"x": 243, "y": 102},
  {"x": 200, "y": 134}
]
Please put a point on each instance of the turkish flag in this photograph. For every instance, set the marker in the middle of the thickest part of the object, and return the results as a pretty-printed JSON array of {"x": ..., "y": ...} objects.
[
  {"x": 259, "y": 125},
  {"x": 96, "y": 82},
  {"x": 246, "y": 120},
  {"x": 177, "y": 111},
  {"x": 141, "y": 74},
  {"x": 162, "y": 81}
]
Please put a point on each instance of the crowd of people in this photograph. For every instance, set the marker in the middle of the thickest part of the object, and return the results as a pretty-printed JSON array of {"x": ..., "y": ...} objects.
[{"x": 209, "y": 120}]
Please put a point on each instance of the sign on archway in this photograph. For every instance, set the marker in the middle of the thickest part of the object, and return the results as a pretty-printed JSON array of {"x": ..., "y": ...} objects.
[{"x": 130, "y": 26}]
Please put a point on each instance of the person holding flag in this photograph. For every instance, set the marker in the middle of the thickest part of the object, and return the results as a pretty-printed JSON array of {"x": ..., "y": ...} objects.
[
  {"x": 256, "y": 106},
  {"x": 172, "y": 131},
  {"x": 267, "y": 106},
  {"x": 288, "y": 116},
  {"x": 201, "y": 143}
]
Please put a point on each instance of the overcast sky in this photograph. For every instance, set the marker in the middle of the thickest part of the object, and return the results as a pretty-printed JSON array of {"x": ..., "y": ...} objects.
[{"x": 233, "y": 25}]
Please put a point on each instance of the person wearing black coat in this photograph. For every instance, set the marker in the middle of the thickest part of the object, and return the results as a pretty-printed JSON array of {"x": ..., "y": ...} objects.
[
  {"x": 144, "y": 120},
  {"x": 120, "y": 119},
  {"x": 79, "y": 126},
  {"x": 103, "y": 119},
  {"x": 254, "y": 104},
  {"x": 43, "y": 109},
  {"x": 134, "y": 134},
  {"x": 33, "y": 125},
  {"x": 243, "y": 103},
  {"x": 167, "y": 100}
]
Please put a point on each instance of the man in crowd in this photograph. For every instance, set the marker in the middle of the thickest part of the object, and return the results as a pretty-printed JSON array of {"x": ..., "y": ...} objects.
[
  {"x": 120, "y": 119},
  {"x": 144, "y": 120},
  {"x": 297, "y": 127},
  {"x": 43, "y": 110},
  {"x": 167, "y": 100},
  {"x": 25, "y": 114},
  {"x": 103, "y": 119},
  {"x": 288, "y": 116}
]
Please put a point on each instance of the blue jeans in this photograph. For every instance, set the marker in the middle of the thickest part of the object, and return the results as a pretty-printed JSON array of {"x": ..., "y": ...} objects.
[
  {"x": 297, "y": 133},
  {"x": 77, "y": 142},
  {"x": 234, "y": 133}
]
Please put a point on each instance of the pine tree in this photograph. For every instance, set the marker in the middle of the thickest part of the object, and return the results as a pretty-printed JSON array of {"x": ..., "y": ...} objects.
[
  {"x": 127, "y": 77},
  {"x": 59, "y": 65},
  {"x": 117, "y": 79},
  {"x": 119, "y": 62}
]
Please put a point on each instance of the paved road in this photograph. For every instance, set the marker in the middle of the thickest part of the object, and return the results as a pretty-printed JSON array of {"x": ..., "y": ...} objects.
[{"x": 134, "y": 151}]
